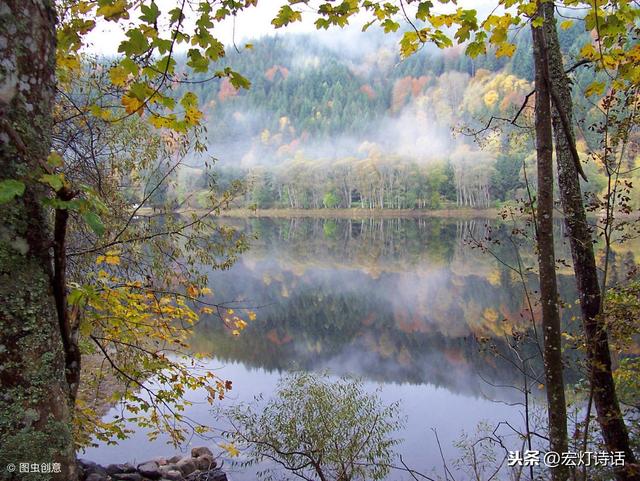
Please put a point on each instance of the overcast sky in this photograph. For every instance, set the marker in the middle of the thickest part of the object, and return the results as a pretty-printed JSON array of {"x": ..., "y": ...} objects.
[{"x": 250, "y": 24}]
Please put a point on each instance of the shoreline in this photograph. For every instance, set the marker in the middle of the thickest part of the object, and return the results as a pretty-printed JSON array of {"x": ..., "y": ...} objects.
[{"x": 362, "y": 213}]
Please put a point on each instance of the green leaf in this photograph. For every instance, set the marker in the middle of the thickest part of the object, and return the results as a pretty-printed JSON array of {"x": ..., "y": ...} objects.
[
  {"x": 93, "y": 220},
  {"x": 55, "y": 181},
  {"x": 150, "y": 13},
  {"x": 9, "y": 189},
  {"x": 75, "y": 297},
  {"x": 54, "y": 160},
  {"x": 285, "y": 16},
  {"x": 424, "y": 10},
  {"x": 390, "y": 26},
  {"x": 136, "y": 45},
  {"x": 197, "y": 61},
  {"x": 475, "y": 48}
]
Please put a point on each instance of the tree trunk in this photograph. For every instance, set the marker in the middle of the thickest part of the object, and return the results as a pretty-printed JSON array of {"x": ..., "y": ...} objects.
[
  {"x": 598, "y": 356},
  {"x": 35, "y": 405},
  {"x": 556, "y": 406}
]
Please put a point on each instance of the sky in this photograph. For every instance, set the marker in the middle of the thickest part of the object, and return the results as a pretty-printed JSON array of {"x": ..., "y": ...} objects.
[{"x": 253, "y": 23}]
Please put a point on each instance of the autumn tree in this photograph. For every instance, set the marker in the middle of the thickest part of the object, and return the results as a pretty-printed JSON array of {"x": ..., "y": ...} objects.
[{"x": 52, "y": 200}]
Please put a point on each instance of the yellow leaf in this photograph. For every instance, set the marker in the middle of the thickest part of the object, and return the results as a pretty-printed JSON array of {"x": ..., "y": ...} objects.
[
  {"x": 252, "y": 316},
  {"x": 99, "y": 112},
  {"x": 99, "y": 259},
  {"x": 205, "y": 291},
  {"x": 567, "y": 24},
  {"x": 118, "y": 76},
  {"x": 595, "y": 88},
  {"x": 112, "y": 259},
  {"x": 114, "y": 11},
  {"x": 192, "y": 291},
  {"x": 192, "y": 116},
  {"x": 230, "y": 449},
  {"x": 160, "y": 122},
  {"x": 132, "y": 104},
  {"x": 588, "y": 51},
  {"x": 505, "y": 50}
]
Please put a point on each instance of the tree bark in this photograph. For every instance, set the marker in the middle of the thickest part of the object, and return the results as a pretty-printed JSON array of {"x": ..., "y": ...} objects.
[
  {"x": 556, "y": 406},
  {"x": 35, "y": 406},
  {"x": 598, "y": 356}
]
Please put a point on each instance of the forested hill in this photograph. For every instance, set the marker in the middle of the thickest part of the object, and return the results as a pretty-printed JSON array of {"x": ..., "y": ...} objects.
[{"x": 329, "y": 124}]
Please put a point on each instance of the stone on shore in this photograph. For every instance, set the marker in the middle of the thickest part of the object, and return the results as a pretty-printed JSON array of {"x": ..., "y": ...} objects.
[
  {"x": 97, "y": 477},
  {"x": 127, "y": 477},
  {"x": 186, "y": 466},
  {"x": 120, "y": 468},
  {"x": 173, "y": 475},
  {"x": 205, "y": 462},
  {"x": 213, "y": 475},
  {"x": 200, "y": 466},
  {"x": 201, "y": 451}
]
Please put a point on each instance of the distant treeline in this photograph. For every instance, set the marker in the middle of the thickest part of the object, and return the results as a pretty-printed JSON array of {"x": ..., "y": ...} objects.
[{"x": 321, "y": 128}]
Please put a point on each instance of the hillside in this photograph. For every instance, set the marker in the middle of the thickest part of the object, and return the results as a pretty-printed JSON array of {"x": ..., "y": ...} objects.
[{"x": 326, "y": 124}]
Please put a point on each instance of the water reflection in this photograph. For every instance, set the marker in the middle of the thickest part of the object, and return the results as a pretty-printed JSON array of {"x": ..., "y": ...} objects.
[
  {"x": 393, "y": 300},
  {"x": 399, "y": 302}
]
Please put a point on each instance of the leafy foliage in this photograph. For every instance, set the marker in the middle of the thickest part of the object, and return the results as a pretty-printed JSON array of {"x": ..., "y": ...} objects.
[{"x": 319, "y": 428}]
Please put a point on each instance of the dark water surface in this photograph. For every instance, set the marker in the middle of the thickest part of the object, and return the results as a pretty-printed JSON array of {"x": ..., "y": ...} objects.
[{"x": 399, "y": 302}]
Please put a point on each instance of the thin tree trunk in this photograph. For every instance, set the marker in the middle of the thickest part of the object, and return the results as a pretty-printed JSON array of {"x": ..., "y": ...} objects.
[
  {"x": 556, "y": 406},
  {"x": 598, "y": 356},
  {"x": 36, "y": 404}
]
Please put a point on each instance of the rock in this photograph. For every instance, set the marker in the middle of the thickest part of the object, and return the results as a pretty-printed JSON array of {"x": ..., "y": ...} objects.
[
  {"x": 217, "y": 475},
  {"x": 201, "y": 451},
  {"x": 149, "y": 470},
  {"x": 165, "y": 469},
  {"x": 120, "y": 468},
  {"x": 212, "y": 475},
  {"x": 186, "y": 466},
  {"x": 202, "y": 466},
  {"x": 173, "y": 475},
  {"x": 205, "y": 462},
  {"x": 97, "y": 477},
  {"x": 128, "y": 477},
  {"x": 88, "y": 468}
]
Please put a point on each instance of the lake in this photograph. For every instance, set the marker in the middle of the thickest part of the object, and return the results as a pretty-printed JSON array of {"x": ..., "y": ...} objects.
[{"x": 398, "y": 302}]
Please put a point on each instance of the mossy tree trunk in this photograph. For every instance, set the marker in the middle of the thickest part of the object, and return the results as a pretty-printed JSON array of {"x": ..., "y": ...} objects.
[
  {"x": 556, "y": 405},
  {"x": 35, "y": 402},
  {"x": 580, "y": 238}
]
